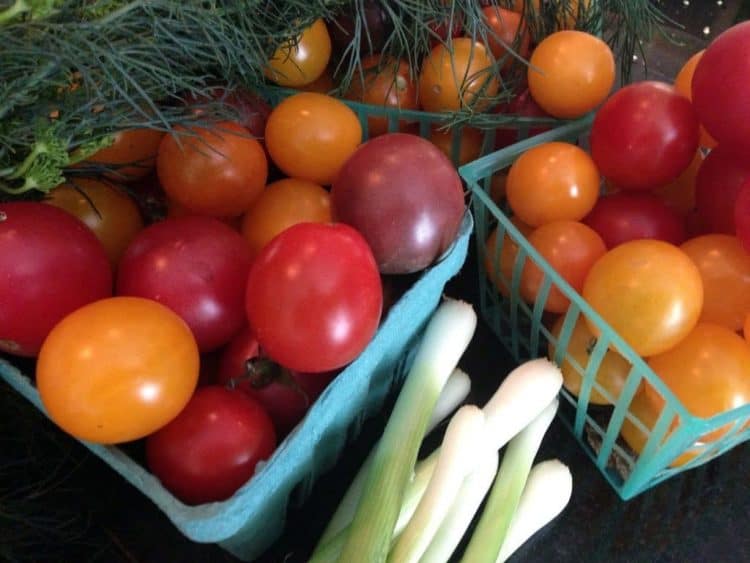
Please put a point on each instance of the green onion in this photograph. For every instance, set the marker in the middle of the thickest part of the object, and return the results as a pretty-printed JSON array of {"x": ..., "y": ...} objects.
[
  {"x": 546, "y": 494},
  {"x": 446, "y": 338},
  {"x": 491, "y": 530}
]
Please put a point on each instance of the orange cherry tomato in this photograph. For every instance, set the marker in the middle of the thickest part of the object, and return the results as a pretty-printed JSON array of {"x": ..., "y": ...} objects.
[
  {"x": 571, "y": 248},
  {"x": 311, "y": 135},
  {"x": 649, "y": 291},
  {"x": 708, "y": 371},
  {"x": 117, "y": 370},
  {"x": 571, "y": 73},
  {"x": 509, "y": 31},
  {"x": 610, "y": 375},
  {"x": 218, "y": 171},
  {"x": 725, "y": 270},
  {"x": 132, "y": 155},
  {"x": 110, "y": 213},
  {"x": 682, "y": 83},
  {"x": 282, "y": 204},
  {"x": 469, "y": 143},
  {"x": 300, "y": 62},
  {"x": 500, "y": 267},
  {"x": 457, "y": 76},
  {"x": 680, "y": 193},
  {"x": 551, "y": 182}
]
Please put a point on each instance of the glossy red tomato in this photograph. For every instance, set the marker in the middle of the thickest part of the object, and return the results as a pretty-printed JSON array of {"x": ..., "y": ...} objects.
[
  {"x": 196, "y": 266},
  {"x": 683, "y": 84},
  {"x": 218, "y": 171},
  {"x": 117, "y": 369},
  {"x": 314, "y": 297},
  {"x": 51, "y": 265},
  {"x": 624, "y": 216},
  {"x": 285, "y": 395},
  {"x": 644, "y": 136},
  {"x": 720, "y": 84},
  {"x": 212, "y": 447},
  {"x": 720, "y": 178},
  {"x": 404, "y": 196}
]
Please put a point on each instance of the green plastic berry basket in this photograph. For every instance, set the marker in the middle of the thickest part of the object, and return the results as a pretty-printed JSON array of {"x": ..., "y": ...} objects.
[{"x": 634, "y": 447}]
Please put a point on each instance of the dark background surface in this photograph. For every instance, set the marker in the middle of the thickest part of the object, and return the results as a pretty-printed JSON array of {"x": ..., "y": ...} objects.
[{"x": 59, "y": 503}]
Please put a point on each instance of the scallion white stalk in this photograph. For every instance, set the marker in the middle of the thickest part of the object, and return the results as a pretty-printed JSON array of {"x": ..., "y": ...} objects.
[
  {"x": 546, "y": 494},
  {"x": 459, "y": 454},
  {"x": 492, "y": 528},
  {"x": 454, "y": 392},
  {"x": 444, "y": 341},
  {"x": 465, "y": 505}
]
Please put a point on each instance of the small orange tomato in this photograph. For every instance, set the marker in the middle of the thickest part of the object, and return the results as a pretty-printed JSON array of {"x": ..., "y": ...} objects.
[
  {"x": 117, "y": 370},
  {"x": 552, "y": 181},
  {"x": 298, "y": 63},
  {"x": 282, "y": 204},
  {"x": 110, "y": 213},
  {"x": 132, "y": 155},
  {"x": 457, "y": 76},
  {"x": 571, "y": 73},
  {"x": 310, "y": 136}
]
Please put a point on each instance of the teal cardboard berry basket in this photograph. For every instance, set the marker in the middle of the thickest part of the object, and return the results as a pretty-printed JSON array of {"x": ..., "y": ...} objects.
[{"x": 634, "y": 447}]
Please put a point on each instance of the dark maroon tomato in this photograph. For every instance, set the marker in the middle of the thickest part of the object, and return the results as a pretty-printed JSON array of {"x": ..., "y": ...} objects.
[
  {"x": 404, "y": 195},
  {"x": 252, "y": 110},
  {"x": 719, "y": 179},
  {"x": 644, "y": 136},
  {"x": 212, "y": 447},
  {"x": 196, "y": 266},
  {"x": 522, "y": 105},
  {"x": 720, "y": 86},
  {"x": 314, "y": 297},
  {"x": 377, "y": 27},
  {"x": 285, "y": 395},
  {"x": 51, "y": 265},
  {"x": 626, "y": 216},
  {"x": 742, "y": 216}
]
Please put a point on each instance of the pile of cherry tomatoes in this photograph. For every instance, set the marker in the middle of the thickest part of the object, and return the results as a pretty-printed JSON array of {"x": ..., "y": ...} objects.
[{"x": 662, "y": 252}]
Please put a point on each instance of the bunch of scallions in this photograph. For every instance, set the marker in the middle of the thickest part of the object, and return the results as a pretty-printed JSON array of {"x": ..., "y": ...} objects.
[{"x": 402, "y": 510}]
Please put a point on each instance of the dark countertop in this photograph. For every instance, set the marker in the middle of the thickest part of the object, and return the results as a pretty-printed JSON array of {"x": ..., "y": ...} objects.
[{"x": 59, "y": 503}]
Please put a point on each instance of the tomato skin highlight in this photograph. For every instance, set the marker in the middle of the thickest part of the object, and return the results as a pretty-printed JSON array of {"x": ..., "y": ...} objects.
[{"x": 314, "y": 297}]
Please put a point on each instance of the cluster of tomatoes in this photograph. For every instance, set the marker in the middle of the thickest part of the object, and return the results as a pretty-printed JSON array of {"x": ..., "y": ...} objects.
[
  {"x": 210, "y": 329},
  {"x": 662, "y": 252}
]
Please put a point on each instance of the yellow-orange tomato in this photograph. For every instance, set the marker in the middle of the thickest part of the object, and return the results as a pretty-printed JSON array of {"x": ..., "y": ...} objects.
[
  {"x": 680, "y": 193},
  {"x": 708, "y": 371},
  {"x": 570, "y": 248},
  {"x": 725, "y": 270},
  {"x": 132, "y": 154},
  {"x": 110, "y": 213},
  {"x": 117, "y": 370},
  {"x": 682, "y": 83},
  {"x": 386, "y": 84},
  {"x": 649, "y": 291},
  {"x": 299, "y": 62},
  {"x": 284, "y": 203},
  {"x": 551, "y": 182},
  {"x": 311, "y": 135},
  {"x": 611, "y": 373},
  {"x": 571, "y": 73},
  {"x": 499, "y": 262},
  {"x": 469, "y": 143},
  {"x": 457, "y": 76}
]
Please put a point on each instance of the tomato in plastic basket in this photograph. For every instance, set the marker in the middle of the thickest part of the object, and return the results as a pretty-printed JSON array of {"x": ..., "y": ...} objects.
[
  {"x": 212, "y": 447},
  {"x": 314, "y": 296},
  {"x": 51, "y": 265},
  {"x": 197, "y": 266},
  {"x": 218, "y": 171}
]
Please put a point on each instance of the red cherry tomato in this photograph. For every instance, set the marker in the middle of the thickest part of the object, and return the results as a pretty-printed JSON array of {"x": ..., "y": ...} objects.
[
  {"x": 212, "y": 447},
  {"x": 405, "y": 197},
  {"x": 51, "y": 265},
  {"x": 644, "y": 136},
  {"x": 720, "y": 178},
  {"x": 508, "y": 30},
  {"x": 624, "y": 216},
  {"x": 196, "y": 266},
  {"x": 314, "y": 296},
  {"x": 720, "y": 84},
  {"x": 252, "y": 110},
  {"x": 285, "y": 395}
]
